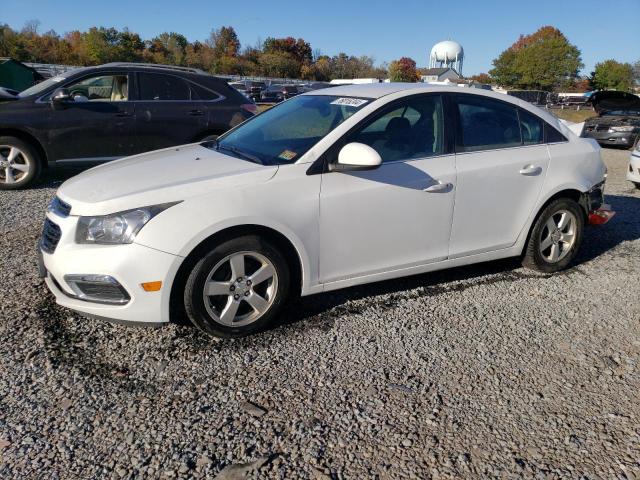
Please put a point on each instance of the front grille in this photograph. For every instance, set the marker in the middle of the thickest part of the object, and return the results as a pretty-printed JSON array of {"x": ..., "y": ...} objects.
[
  {"x": 50, "y": 236},
  {"x": 60, "y": 208},
  {"x": 602, "y": 128}
]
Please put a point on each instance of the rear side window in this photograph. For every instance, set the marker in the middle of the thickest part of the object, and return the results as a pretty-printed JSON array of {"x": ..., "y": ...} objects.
[
  {"x": 201, "y": 93},
  {"x": 532, "y": 129},
  {"x": 487, "y": 124},
  {"x": 163, "y": 87},
  {"x": 552, "y": 135}
]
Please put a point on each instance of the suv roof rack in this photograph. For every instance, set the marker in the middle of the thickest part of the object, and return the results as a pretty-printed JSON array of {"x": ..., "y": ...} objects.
[{"x": 155, "y": 65}]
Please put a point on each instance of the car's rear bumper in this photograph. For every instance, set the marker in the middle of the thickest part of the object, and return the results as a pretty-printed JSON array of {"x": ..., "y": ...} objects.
[{"x": 621, "y": 139}]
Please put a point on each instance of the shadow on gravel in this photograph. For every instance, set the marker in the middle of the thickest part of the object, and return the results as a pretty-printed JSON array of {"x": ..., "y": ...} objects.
[
  {"x": 624, "y": 227},
  {"x": 54, "y": 177}
]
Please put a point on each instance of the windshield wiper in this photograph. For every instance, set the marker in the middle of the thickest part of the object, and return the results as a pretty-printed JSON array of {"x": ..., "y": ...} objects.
[{"x": 240, "y": 153}]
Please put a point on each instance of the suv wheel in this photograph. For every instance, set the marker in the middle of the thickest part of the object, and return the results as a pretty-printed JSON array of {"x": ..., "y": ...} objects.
[
  {"x": 19, "y": 163},
  {"x": 556, "y": 237},
  {"x": 237, "y": 288}
]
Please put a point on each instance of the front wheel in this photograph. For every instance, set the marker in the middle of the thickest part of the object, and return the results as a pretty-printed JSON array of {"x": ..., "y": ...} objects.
[
  {"x": 556, "y": 237},
  {"x": 19, "y": 163},
  {"x": 237, "y": 288}
]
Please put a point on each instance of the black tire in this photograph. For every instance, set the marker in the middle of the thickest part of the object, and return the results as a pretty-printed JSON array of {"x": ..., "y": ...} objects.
[
  {"x": 194, "y": 300},
  {"x": 28, "y": 154},
  {"x": 533, "y": 257}
]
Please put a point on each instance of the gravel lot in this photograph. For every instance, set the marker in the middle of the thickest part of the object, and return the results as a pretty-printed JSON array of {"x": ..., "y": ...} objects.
[{"x": 480, "y": 371}]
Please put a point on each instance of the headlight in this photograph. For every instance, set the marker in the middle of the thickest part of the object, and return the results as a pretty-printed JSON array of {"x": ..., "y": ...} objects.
[
  {"x": 117, "y": 228},
  {"x": 626, "y": 128}
]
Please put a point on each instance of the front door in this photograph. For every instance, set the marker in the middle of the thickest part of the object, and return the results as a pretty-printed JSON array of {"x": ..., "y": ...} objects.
[
  {"x": 400, "y": 214},
  {"x": 99, "y": 123},
  {"x": 501, "y": 160},
  {"x": 166, "y": 114}
]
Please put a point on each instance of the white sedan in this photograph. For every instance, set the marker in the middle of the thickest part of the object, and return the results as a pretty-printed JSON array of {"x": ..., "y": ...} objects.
[
  {"x": 633, "y": 175},
  {"x": 333, "y": 188}
]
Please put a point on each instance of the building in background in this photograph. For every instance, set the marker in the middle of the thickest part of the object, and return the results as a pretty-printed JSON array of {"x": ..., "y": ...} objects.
[{"x": 439, "y": 74}]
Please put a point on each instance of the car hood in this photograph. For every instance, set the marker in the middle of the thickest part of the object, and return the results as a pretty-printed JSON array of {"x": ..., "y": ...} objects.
[
  {"x": 162, "y": 176},
  {"x": 607, "y": 100}
]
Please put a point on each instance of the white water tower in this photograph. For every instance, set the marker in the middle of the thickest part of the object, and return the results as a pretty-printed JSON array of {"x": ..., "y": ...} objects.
[{"x": 447, "y": 54}]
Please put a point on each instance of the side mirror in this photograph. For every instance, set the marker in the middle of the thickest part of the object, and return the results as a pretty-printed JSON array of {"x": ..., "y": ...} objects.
[
  {"x": 356, "y": 156},
  {"x": 59, "y": 98}
]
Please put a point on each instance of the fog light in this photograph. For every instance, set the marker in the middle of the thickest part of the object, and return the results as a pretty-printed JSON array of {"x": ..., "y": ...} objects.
[
  {"x": 97, "y": 288},
  {"x": 151, "y": 286}
]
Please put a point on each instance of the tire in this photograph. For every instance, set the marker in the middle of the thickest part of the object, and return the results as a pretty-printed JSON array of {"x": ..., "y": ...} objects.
[
  {"x": 20, "y": 168},
  {"x": 563, "y": 242},
  {"x": 243, "y": 303}
]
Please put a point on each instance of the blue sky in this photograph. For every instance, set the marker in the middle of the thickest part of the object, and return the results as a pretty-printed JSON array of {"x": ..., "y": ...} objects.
[{"x": 385, "y": 30}]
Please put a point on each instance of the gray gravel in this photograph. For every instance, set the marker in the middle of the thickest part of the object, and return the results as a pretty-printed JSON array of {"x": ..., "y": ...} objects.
[{"x": 489, "y": 370}]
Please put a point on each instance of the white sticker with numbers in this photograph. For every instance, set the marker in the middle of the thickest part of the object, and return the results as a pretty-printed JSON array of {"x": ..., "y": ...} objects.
[{"x": 349, "y": 102}]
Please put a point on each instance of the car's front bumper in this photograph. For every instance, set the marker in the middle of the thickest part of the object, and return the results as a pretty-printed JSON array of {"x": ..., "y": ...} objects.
[
  {"x": 633, "y": 172},
  {"x": 130, "y": 265},
  {"x": 621, "y": 139}
]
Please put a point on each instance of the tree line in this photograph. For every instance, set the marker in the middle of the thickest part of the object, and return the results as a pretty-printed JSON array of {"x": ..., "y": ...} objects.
[
  {"x": 543, "y": 60},
  {"x": 221, "y": 53}
]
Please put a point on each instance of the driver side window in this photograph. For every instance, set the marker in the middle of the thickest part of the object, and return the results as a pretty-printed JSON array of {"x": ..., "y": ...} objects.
[
  {"x": 408, "y": 130},
  {"x": 103, "y": 88}
]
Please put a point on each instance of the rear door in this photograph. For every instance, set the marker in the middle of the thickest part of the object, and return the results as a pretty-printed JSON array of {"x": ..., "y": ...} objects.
[
  {"x": 501, "y": 160},
  {"x": 167, "y": 113}
]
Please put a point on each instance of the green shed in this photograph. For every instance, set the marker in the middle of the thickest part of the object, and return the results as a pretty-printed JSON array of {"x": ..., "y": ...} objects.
[{"x": 16, "y": 75}]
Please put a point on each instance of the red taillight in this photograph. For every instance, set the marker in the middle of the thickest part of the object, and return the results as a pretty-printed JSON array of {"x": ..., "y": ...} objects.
[
  {"x": 250, "y": 107},
  {"x": 601, "y": 216}
]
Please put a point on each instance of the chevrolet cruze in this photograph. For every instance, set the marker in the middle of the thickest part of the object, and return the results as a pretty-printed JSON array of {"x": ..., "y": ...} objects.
[{"x": 329, "y": 189}]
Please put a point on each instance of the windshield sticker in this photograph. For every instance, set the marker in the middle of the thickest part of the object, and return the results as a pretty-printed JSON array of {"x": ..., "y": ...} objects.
[
  {"x": 287, "y": 155},
  {"x": 349, "y": 102}
]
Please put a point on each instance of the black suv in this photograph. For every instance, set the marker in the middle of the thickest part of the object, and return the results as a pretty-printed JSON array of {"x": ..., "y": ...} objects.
[{"x": 97, "y": 114}]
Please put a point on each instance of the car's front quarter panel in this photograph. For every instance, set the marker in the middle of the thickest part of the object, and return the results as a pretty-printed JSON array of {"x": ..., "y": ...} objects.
[{"x": 288, "y": 204}]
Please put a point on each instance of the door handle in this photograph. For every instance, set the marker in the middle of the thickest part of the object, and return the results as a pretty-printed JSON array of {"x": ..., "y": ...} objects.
[
  {"x": 196, "y": 113},
  {"x": 530, "y": 170},
  {"x": 438, "y": 187}
]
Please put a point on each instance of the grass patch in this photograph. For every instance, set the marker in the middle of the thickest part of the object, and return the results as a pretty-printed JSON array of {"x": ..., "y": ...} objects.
[{"x": 571, "y": 115}]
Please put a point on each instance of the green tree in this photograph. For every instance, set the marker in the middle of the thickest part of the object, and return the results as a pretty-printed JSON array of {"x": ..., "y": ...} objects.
[
  {"x": 403, "y": 70},
  {"x": 224, "y": 42},
  {"x": 613, "y": 75},
  {"x": 544, "y": 60}
]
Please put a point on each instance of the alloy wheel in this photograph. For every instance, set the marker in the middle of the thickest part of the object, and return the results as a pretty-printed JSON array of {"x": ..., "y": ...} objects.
[
  {"x": 240, "y": 288},
  {"x": 14, "y": 164},
  {"x": 558, "y": 236}
]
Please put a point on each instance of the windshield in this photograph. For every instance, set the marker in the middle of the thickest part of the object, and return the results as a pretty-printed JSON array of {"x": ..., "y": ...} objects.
[
  {"x": 284, "y": 133},
  {"x": 42, "y": 86}
]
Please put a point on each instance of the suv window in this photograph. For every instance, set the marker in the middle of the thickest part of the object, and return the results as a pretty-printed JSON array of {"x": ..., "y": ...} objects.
[
  {"x": 412, "y": 129},
  {"x": 487, "y": 124},
  {"x": 102, "y": 88},
  {"x": 531, "y": 126},
  {"x": 159, "y": 87},
  {"x": 201, "y": 93}
]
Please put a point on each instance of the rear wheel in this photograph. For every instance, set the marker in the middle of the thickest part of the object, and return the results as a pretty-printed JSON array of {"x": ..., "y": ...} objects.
[
  {"x": 19, "y": 163},
  {"x": 237, "y": 288},
  {"x": 556, "y": 237}
]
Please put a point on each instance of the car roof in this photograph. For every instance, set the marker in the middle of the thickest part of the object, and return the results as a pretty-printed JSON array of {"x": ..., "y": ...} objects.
[{"x": 379, "y": 90}]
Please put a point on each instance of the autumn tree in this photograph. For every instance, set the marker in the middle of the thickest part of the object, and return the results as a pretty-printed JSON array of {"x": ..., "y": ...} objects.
[
  {"x": 403, "y": 70},
  {"x": 613, "y": 75},
  {"x": 544, "y": 60},
  {"x": 482, "y": 78}
]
